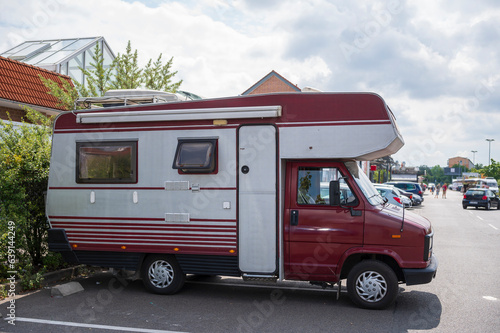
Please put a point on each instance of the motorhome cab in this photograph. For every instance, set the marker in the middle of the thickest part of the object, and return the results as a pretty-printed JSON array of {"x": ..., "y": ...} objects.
[{"x": 260, "y": 187}]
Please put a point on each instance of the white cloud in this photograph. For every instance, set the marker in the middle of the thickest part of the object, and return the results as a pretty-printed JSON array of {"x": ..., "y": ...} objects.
[{"x": 435, "y": 63}]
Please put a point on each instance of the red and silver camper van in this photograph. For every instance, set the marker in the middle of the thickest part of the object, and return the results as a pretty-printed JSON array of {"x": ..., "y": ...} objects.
[{"x": 261, "y": 187}]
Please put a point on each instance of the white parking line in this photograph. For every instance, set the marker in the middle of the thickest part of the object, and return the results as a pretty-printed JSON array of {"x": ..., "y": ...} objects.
[
  {"x": 490, "y": 298},
  {"x": 479, "y": 217},
  {"x": 493, "y": 226},
  {"x": 103, "y": 327}
]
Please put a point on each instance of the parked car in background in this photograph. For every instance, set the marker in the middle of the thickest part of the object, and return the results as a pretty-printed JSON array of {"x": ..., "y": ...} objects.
[
  {"x": 487, "y": 183},
  {"x": 407, "y": 186},
  {"x": 415, "y": 198},
  {"x": 393, "y": 195},
  {"x": 480, "y": 197},
  {"x": 456, "y": 186},
  {"x": 492, "y": 184}
]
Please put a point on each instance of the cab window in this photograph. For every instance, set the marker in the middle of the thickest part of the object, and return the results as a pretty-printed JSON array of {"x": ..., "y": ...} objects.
[{"x": 313, "y": 186}]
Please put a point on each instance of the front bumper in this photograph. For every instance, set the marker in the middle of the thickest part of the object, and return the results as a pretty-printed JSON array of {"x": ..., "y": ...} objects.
[{"x": 421, "y": 275}]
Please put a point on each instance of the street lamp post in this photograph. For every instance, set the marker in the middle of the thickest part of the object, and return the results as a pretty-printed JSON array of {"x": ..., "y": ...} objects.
[
  {"x": 489, "y": 150},
  {"x": 474, "y": 156}
]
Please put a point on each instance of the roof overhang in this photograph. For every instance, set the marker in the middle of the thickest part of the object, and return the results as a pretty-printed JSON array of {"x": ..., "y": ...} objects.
[{"x": 19, "y": 106}]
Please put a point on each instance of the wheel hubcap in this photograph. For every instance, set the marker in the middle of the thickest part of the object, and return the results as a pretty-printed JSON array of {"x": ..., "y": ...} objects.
[
  {"x": 371, "y": 286},
  {"x": 161, "y": 274}
]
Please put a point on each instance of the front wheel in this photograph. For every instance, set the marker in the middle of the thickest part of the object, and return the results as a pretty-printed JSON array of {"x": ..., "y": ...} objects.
[
  {"x": 488, "y": 206},
  {"x": 372, "y": 284},
  {"x": 161, "y": 274}
]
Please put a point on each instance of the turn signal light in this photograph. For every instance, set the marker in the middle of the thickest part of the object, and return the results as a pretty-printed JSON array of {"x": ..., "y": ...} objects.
[
  {"x": 75, "y": 246},
  {"x": 176, "y": 249},
  {"x": 123, "y": 247}
]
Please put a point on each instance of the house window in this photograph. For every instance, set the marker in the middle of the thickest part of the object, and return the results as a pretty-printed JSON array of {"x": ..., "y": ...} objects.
[
  {"x": 106, "y": 162},
  {"x": 196, "y": 156}
]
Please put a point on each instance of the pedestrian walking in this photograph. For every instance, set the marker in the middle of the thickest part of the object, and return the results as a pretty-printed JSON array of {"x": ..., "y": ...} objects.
[
  {"x": 445, "y": 187},
  {"x": 438, "y": 187}
]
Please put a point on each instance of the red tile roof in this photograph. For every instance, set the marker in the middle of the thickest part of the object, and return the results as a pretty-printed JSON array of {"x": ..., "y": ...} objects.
[{"x": 19, "y": 82}]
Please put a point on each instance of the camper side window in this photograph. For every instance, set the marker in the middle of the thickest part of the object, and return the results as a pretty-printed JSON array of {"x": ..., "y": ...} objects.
[
  {"x": 196, "y": 156},
  {"x": 106, "y": 162}
]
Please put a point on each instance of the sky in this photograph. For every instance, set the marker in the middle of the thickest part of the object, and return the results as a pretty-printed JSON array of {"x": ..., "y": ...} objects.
[{"x": 436, "y": 63}]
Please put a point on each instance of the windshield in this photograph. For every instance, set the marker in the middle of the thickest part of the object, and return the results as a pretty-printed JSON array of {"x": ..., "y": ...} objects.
[{"x": 364, "y": 184}]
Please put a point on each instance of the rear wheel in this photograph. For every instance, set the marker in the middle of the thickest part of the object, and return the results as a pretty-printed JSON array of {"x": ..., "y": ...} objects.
[
  {"x": 372, "y": 284},
  {"x": 464, "y": 206},
  {"x": 488, "y": 205},
  {"x": 161, "y": 274}
]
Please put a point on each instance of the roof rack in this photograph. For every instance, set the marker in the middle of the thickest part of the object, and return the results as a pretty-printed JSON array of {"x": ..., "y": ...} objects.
[{"x": 126, "y": 97}]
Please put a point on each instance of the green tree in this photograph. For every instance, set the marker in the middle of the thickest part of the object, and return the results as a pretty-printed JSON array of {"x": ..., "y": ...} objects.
[
  {"x": 97, "y": 76},
  {"x": 128, "y": 75},
  {"x": 24, "y": 171},
  {"x": 463, "y": 168},
  {"x": 64, "y": 92},
  {"x": 124, "y": 73},
  {"x": 435, "y": 174},
  {"x": 492, "y": 170},
  {"x": 381, "y": 176},
  {"x": 159, "y": 77}
]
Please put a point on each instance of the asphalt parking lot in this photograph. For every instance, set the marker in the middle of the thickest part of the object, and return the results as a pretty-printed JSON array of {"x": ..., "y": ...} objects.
[{"x": 464, "y": 296}]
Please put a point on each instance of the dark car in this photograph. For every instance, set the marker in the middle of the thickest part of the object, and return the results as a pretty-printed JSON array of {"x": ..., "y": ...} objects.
[
  {"x": 408, "y": 187},
  {"x": 480, "y": 197}
]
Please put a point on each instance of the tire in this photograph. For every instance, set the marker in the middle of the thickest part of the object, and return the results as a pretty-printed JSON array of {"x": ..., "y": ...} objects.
[
  {"x": 372, "y": 284},
  {"x": 161, "y": 274},
  {"x": 488, "y": 206},
  {"x": 464, "y": 206}
]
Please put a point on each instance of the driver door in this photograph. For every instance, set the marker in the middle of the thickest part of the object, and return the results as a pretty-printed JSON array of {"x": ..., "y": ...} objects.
[{"x": 316, "y": 233}]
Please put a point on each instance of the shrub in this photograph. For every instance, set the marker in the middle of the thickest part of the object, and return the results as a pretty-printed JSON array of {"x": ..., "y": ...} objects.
[{"x": 24, "y": 170}]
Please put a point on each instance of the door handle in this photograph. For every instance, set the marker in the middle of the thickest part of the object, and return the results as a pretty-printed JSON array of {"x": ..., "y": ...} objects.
[{"x": 294, "y": 217}]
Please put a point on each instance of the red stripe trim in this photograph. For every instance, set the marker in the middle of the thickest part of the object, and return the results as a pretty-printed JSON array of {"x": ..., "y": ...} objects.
[
  {"x": 157, "y": 248},
  {"x": 86, "y": 235},
  {"x": 232, "y": 126},
  {"x": 157, "y": 239},
  {"x": 104, "y": 188},
  {"x": 136, "y": 188},
  {"x": 122, "y": 230},
  {"x": 347, "y": 123},
  {"x": 145, "y": 129},
  {"x": 186, "y": 226},
  {"x": 108, "y": 218},
  {"x": 133, "y": 219}
]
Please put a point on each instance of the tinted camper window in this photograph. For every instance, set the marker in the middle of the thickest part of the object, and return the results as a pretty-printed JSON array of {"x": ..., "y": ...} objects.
[
  {"x": 106, "y": 162},
  {"x": 196, "y": 155}
]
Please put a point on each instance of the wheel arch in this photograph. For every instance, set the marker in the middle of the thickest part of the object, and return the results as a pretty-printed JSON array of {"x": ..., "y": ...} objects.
[{"x": 352, "y": 259}]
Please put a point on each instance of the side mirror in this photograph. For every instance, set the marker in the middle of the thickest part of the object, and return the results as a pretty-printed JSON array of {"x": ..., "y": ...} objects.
[{"x": 334, "y": 193}]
